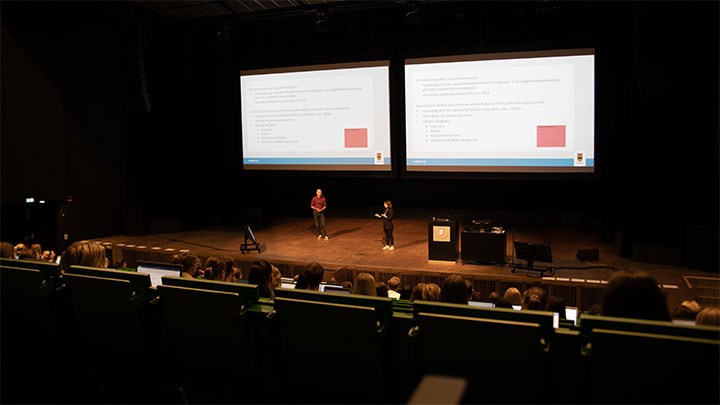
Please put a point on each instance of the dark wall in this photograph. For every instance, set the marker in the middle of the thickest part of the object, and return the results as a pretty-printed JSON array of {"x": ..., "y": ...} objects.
[{"x": 75, "y": 114}]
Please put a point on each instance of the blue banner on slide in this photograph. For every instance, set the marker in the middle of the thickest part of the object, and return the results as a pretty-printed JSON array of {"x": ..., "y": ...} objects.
[
  {"x": 313, "y": 161},
  {"x": 498, "y": 162}
]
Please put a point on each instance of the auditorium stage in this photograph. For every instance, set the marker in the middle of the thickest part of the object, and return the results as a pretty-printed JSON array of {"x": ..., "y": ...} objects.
[{"x": 357, "y": 242}]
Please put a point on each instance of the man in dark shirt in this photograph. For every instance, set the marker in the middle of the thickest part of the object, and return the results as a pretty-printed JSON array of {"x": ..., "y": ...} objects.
[{"x": 318, "y": 206}]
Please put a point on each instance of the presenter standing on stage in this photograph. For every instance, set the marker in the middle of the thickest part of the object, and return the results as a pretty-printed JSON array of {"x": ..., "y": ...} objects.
[
  {"x": 388, "y": 227},
  {"x": 318, "y": 206}
]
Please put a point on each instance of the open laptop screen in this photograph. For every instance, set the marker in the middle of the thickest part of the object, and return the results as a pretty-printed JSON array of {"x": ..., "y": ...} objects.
[{"x": 157, "y": 270}]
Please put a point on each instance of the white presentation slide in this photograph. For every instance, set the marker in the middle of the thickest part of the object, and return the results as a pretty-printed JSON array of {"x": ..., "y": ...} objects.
[
  {"x": 324, "y": 117},
  {"x": 505, "y": 112}
]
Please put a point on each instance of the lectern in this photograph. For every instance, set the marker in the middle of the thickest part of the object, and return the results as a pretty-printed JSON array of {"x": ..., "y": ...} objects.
[{"x": 442, "y": 240}]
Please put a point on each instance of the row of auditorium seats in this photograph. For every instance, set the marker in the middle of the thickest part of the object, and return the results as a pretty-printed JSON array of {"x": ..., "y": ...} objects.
[{"x": 100, "y": 336}]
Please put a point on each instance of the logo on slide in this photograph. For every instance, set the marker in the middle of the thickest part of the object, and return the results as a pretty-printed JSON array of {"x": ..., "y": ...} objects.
[
  {"x": 579, "y": 159},
  {"x": 378, "y": 158},
  {"x": 441, "y": 234}
]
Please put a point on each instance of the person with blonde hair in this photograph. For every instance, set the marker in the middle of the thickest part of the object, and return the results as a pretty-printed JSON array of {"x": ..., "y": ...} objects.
[
  {"x": 709, "y": 316},
  {"x": 514, "y": 295},
  {"x": 84, "y": 253},
  {"x": 364, "y": 285}
]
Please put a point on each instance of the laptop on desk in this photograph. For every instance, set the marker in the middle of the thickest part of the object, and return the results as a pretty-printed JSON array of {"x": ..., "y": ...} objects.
[{"x": 157, "y": 270}]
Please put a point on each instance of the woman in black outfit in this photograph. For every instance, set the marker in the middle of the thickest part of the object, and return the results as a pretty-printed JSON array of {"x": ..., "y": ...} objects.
[{"x": 387, "y": 218}]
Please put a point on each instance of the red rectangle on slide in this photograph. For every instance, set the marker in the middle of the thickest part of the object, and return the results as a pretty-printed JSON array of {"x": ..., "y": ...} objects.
[
  {"x": 550, "y": 136},
  {"x": 356, "y": 138}
]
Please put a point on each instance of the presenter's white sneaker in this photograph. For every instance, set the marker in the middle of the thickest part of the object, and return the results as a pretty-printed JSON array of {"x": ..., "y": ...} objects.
[
  {"x": 326, "y": 238},
  {"x": 319, "y": 236},
  {"x": 391, "y": 248},
  {"x": 386, "y": 247}
]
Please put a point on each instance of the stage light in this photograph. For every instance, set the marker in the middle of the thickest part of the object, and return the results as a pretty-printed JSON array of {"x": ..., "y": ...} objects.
[
  {"x": 412, "y": 14},
  {"x": 321, "y": 22}
]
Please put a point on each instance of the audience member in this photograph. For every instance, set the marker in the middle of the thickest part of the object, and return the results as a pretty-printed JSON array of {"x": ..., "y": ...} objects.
[
  {"x": 17, "y": 248},
  {"x": 48, "y": 255},
  {"x": 417, "y": 292},
  {"x": 454, "y": 290},
  {"x": 36, "y": 250},
  {"x": 406, "y": 291},
  {"x": 514, "y": 295},
  {"x": 26, "y": 253},
  {"x": 84, "y": 253},
  {"x": 493, "y": 297},
  {"x": 556, "y": 304},
  {"x": 431, "y": 292},
  {"x": 365, "y": 285},
  {"x": 634, "y": 296},
  {"x": 503, "y": 302},
  {"x": 348, "y": 285},
  {"x": 276, "y": 277},
  {"x": 215, "y": 269},
  {"x": 709, "y": 316},
  {"x": 476, "y": 296},
  {"x": 260, "y": 274},
  {"x": 232, "y": 273},
  {"x": 6, "y": 250},
  {"x": 300, "y": 283},
  {"x": 393, "y": 287},
  {"x": 539, "y": 293},
  {"x": 313, "y": 274},
  {"x": 190, "y": 264},
  {"x": 687, "y": 310},
  {"x": 470, "y": 289},
  {"x": 381, "y": 289}
]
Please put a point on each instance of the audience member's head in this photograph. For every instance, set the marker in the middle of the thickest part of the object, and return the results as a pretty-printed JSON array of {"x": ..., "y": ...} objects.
[
  {"x": 431, "y": 292},
  {"x": 417, "y": 292},
  {"x": 6, "y": 250},
  {"x": 514, "y": 295},
  {"x": 37, "y": 250},
  {"x": 365, "y": 285},
  {"x": 381, "y": 289},
  {"x": 17, "y": 248},
  {"x": 493, "y": 297},
  {"x": 348, "y": 285},
  {"x": 313, "y": 273},
  {"x": 537, "y": 292},
  {"x": 260, "y": 274},
  {"x": 709, "y": 316},
  {"x": 687, "y": 310},
  {"x": 232, "y": 273},
  {"x": 26, "y": 253},
  {"x": 394, "y": 283},
  {"x": 47, "y": 255},
  {"x": 476, "y": 296},
  {"x": 215, "y": 268},
  {"x": 300, "y": 283},
  {"x": 503, "y": 302},
  {"x": 634, "y": 296},
  {"x": 276, "y": 278},
  {"x": 556, "y": 304},
  {"x": 189, "y": 261},
  {"x": 406, "y": 291},
  {"x": 455, "y": 290},
  {"x": 84, "y": 253}
]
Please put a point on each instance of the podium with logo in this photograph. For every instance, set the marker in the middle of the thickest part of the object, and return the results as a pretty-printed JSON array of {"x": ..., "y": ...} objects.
[{"x": 442, "y": 240}]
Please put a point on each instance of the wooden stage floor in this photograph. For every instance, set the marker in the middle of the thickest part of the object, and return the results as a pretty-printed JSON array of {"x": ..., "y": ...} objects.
[{"x": 357, "y": 242}]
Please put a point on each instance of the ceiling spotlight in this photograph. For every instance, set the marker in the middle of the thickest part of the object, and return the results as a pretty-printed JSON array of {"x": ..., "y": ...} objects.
[{"x": 321, "y": 22}]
